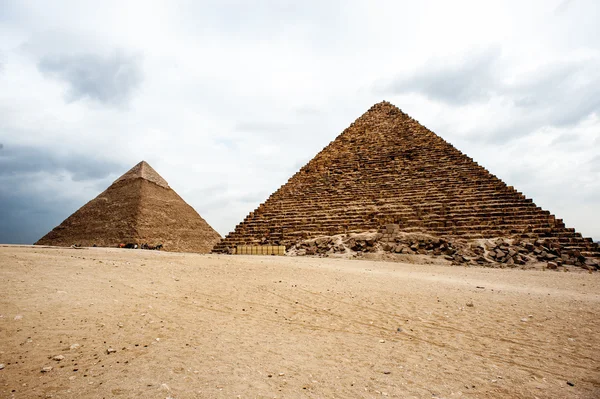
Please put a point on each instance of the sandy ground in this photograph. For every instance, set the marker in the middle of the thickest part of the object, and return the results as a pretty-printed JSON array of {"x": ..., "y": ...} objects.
[{"x": 207, "y": 326}]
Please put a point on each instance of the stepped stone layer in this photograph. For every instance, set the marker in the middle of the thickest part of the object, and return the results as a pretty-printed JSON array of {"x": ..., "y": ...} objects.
[
  {"x": 387, "y": 168},
  {"x": 139, "y": 207}
]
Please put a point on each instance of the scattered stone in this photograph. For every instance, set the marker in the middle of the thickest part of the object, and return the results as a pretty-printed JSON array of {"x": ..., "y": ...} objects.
[
  {"x": 382, "y": 341},
  {"x": 110, "y": 350},
  {"x": 281, "y": 374},
  {"x": 524, "y": 319},
  {"x": 2, "y": 366},
  {"x": 569, "y": 383},
  {"x": 470, "y": 304},
  {"x": 387, "y": 372},
  {"x": 508, "y": 252},
  {"x": 46, "y": 369},
  {"x": 18, "y": 317},
  {"x": 74, "y": 346},
  {"x": 58, "y": 358}
]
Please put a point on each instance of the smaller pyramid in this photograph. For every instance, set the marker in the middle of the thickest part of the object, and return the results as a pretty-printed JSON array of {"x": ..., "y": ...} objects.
[{"x": 141, "y": 208}]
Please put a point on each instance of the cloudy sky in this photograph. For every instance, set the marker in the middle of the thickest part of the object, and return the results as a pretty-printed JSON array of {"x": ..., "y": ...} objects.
[{"x": 227, "y": 99}]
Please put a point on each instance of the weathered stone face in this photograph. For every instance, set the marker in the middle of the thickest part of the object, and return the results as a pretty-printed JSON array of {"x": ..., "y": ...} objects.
[
  {"x": 138, "y": 208},
  {"x": 386, "y": 169},
  {"x": 498, "y": 252}
]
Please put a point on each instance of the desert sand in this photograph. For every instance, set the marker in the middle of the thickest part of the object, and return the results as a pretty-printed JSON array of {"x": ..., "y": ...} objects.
[{"x": 147, "y": 324}]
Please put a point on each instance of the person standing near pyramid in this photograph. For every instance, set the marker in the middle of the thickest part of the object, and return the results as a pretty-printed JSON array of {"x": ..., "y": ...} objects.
[{"x": 139, "y": 207}]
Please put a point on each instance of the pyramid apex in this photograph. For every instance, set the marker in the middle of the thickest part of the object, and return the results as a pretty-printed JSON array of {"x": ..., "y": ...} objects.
[
  {"x": 143, "y": 170},
  {"x": 384, "y": 105}
]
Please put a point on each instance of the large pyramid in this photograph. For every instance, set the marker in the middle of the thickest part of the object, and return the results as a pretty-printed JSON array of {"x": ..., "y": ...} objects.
[
  {"x": 139, "y": 207},
  {"x": 388, "y": 168}
]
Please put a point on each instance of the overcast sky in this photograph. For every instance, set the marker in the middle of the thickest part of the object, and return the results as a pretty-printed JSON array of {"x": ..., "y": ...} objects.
[{"x": 228, "y": 99}]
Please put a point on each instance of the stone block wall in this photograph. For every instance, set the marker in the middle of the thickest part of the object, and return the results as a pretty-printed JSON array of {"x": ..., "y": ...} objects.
[{"x": 386, "y": 168}]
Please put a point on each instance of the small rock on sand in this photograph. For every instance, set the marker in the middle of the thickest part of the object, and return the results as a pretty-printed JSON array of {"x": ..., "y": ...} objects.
[
  {"x": 58, "y": 358},
  {"x": 2, "y": 366},
  {"x": 46, "y": 369},
  {"x": 74, "y": 346},
  {"x": 110, "y": 350}
]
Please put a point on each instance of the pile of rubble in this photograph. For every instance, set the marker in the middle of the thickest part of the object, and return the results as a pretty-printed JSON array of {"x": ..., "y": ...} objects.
[{"x": 497, "y": 252}]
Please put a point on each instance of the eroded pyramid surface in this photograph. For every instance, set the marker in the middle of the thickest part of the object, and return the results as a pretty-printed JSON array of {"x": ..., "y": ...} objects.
[
  {"x": 388, "y": 168},
  {"x": 139, "y": 207}
]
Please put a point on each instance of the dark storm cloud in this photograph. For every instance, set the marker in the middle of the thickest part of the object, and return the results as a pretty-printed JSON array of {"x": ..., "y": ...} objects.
[
  {"x": 19, "y": 160},
  {"x": 569, "y": 92},
  {"x": 559, "y": 96},
  {"x": 554, "y": 95},
  {"x": 25, "y": 218},
  {"x": 106, "y": 79},
  {"x": 468, "y": 81},
  {"x": 29, "y": 205}
]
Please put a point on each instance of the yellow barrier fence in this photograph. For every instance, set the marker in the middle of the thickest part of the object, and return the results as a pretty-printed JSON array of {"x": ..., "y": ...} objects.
[{"x": 260, "y": 250}]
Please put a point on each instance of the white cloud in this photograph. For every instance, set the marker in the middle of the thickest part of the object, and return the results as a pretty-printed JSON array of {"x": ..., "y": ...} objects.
[{"x": 230, "y": 98}]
